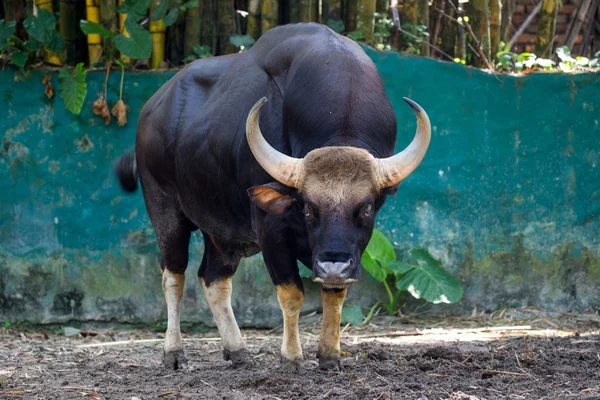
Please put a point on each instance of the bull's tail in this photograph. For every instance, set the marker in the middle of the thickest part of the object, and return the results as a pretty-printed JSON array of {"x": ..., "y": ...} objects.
[{"x": 126, "y": 171}]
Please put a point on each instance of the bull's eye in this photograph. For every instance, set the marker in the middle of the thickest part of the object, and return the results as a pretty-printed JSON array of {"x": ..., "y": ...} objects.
[
  {"x": 367, "y": 210},
  {"x": 307, "y": 213}
]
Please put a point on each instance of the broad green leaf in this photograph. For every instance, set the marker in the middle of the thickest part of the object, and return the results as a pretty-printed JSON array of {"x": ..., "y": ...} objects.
[
  {"x": 304, "y": 271},
  {"x": 135, "y": 9},
  {"x": 397, "y": 267},
  {"x": 7, "y": 29},
  {"x": 337, "y": 25},
  {"x": 380, "y": 248},
  {"x": 171, "y": 17},
  {"x": 582, "y": 61},
  {"x": 241, "y": 40},
  {"x": 138, "y": 45},
  {"x": 91, "y": 28},
  {"x": 32, "y": 45},
  {"x": 19, "y": 58},
  {"x": 42, "y": 28},
  {"x": 594, "y": 63},
  {"x": 544, "y": 63},
  {"x": 159, "y": 10},
  {"x": 73, "y": 88},
  {"x": 352, "y": 315},
  {"x": 373, "y": 267},
  {"x": 430, "y": 281}
]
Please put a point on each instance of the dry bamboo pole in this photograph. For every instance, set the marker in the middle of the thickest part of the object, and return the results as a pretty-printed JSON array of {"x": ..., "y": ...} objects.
[
  {"x": 304, "y": 11},
  {"x": 269, "y": 15},
  {"x": 479, "y": 11},
  {"x": 122, "y": 19},
  {"x": 546, "y": 28},
  {"x": 582, "y": 11},
  {"x": 364, "y": 18},
  {"x": 587, "y": 33},
  {"x": 193, "y": 26},
  {"x": 49, "y": 57},
  {"x": 94, "y": 40},
  {"x": 157, "y": 30},
  {"x": 495, "y": 19},
  {"x": 253, "y": 27}
]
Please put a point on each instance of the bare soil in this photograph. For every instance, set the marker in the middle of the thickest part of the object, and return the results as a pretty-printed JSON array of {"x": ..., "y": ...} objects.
[{"x": 379, "y": 362}]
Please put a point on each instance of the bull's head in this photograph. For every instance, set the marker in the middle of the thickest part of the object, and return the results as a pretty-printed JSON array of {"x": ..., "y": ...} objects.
[{"x": 339, "y": 188}]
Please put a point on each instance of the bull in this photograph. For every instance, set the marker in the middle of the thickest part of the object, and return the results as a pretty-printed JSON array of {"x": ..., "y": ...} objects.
[{"x": 299, "y": 177}]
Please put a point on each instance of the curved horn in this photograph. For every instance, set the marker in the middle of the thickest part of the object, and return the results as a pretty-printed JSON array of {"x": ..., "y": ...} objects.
[
  {"x": 283, "y": 168},
  {"x": 394, "y": 169}
]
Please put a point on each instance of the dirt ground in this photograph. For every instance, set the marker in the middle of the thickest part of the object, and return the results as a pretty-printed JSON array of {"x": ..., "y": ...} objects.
[{"x": 477, "y": 358}]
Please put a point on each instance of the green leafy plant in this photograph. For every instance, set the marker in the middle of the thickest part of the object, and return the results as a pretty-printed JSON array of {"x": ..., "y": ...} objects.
[
  {"x": 423, "y": 276},
  {"x": 42, "y": 33},
  {"x": 43, "y": 29},
  {"x": 199, "y": 52},
  {"x": 513, "y": 62},
  {"x": 383, "y": 31},
  {"x": 412, "y": 42},
  {"x": 336, "y": 25},
  {"x": 73, "y": 87},
  {"x": 170, "y": 9},
  {"x": 356, "y": 35}
]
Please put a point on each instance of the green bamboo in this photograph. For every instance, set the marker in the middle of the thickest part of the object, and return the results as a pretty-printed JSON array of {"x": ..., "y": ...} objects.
[
  {"x": 478, "y": 13},
  {"x": 253, "y": 28},
  {"x": 193, "y": 26},
  {"x": 108, "y": 15},
  {"x": 225, "y": 24},
  {"x": 69, "y": 29},
  {"x": 364, "y": 18},
  {"x": 269, "y": 15},
  {"x": 495, "y": 18},
  {"x": 546, "y": 27}
]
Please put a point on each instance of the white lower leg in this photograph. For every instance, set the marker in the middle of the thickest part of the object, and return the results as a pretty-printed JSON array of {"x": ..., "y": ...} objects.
[
  {"x": 290, "y": 300},
  {"x": 173, "y": 289},
  {"x": 218, "y": 296}
]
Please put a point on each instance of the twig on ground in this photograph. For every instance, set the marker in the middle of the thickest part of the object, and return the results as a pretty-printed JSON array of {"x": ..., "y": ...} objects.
[{"x": 493, "y": 371}]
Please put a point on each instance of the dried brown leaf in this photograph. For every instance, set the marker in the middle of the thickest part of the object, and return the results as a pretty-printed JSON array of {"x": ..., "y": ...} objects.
[
  {"x": 94, "y": 395},
  {"x": 119, "y": 111},
  {"x": 100, "y": 107},
  {"x": 15, "y": 392}
]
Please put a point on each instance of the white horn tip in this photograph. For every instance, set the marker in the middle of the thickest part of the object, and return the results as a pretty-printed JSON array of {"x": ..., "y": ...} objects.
[
  {"x": 258, "y": 105},
  {"x": 416, "y": 108}
]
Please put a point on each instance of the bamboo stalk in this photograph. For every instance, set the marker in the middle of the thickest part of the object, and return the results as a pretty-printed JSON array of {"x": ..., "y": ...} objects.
[
  {"x": 225, "y": 23},
  {"x": 506, "y": 19},
  {"x": 269, "y": 15},
  {"x": 479, "y": 11},
  {"x": 157, "y": 30},
  {"x": 449, "y": 29},
  {"x": 495, "y": 19},
  {"x": 122, "y": 19},
  {"x": 546, "y": 28},
  {"x": 193, "y": 26},
  {"x": 588, "y": 29},
  {"x": 49, "y": 57},
  {"x": 351, "y": 12},
  {"x": 94, "y": 40},
  {"x": 331, "y": 10},
  {"x": 69, "y": 29},
  {"x": 383, "y": 6},
  {"x": 253, "y": 28},
  {"x": 108, "y": 15},
  {"x": 304, "y": 11},
  {"x": 364, "y": 18}
]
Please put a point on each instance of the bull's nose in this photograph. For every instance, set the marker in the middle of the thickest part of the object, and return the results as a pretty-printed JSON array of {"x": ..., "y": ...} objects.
[{"x": 335, "y": 273}]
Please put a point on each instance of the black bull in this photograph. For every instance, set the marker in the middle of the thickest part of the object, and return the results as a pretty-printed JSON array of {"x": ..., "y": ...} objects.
[{"x": 204, "y": 158}]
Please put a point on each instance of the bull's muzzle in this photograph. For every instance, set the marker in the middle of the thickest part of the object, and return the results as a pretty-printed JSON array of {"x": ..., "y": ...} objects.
[{"x": 334, "y": 274}]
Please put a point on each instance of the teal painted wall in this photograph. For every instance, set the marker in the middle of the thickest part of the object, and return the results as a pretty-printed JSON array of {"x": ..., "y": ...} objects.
[{"x": 508, "y": 197}]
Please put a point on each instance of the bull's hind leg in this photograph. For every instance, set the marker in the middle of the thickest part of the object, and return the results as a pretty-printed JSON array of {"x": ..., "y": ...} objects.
[
  {"x": 173, "y": 231},
  {"x": 215, "y": 275}
]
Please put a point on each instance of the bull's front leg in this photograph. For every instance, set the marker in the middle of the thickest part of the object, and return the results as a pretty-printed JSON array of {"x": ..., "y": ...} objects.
[
  {"x": 329, "y": 342},
  {"x": 291, "y": 298}
]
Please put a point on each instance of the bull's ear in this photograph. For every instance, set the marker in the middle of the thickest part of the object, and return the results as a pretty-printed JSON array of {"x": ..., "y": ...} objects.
[{"x": 270, "y": 200}]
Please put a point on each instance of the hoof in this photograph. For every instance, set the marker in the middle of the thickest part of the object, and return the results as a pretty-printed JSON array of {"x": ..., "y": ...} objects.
[
  {"x": 175, "y": 360},
  {"x": 296, "y": 365},
  {"x": 238, "y": 358},
  {"x": 330, "y": 364}
]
